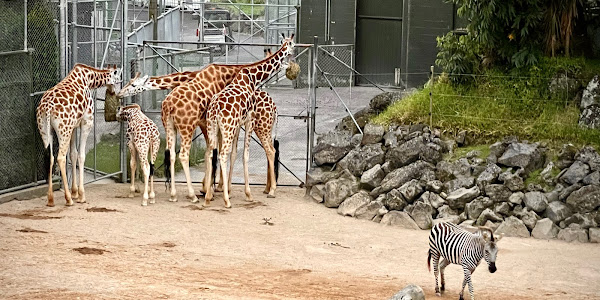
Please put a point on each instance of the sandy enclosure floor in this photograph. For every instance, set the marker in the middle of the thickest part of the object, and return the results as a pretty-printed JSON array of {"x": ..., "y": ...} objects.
[{"x": 113, "y": 248}]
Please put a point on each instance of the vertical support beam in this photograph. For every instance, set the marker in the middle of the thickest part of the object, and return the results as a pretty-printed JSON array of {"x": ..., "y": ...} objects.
[
  {"x": 431, "y": 98},
  {"x": 153, "y": 15},
  {"x": 313, "y": 101},
  {"x": 123, "y": 152},
  {"x": 34, "y": 161},
  {"x": 25, "y": 26},
  {"x": 62, "y": 28},
  {"x": 95, "y": 49},
  {"x": 74, "y": 40}
]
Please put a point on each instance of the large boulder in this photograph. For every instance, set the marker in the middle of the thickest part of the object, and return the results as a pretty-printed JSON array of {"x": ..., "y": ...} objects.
[
  {"x": 536, "y": 201},
  {"x": 591, "y": 94},
  {"x": 332, "y": 146},
  {"x": 566, "y": 192},
  {"x": 372, "y": 177},
  {"x": 400, "y": 176},
  {"x": 513, "y": 227},
  {"x": 594, "y": 235},
  {"x": 410, "y": 292},
  {"x": 516, "y": 198},
  {"x": 372, "y": 134},
  {"x": 545, "y": 229},
  {"x": 589, "y": 156},
  {"x": 413, "y": 150},
  {"x": 529, "y": 218},
  {"x": 380, "y": 102},
  {"x": 585, "y": 199},
  {"x": 411, "y": 190},
  {"x": 421, "y": 214},
  {"x": 475, "y": 207},
  {"x": 360, "y": 159},
  {"x": 459, "y": 182},
  {"x": 320, "y": 175},
  {"x": 352, "y": 204},
  {"x": 513, "y": 181},
  {"x": 502, "y": 208},
  {"x": 337, "y": 190},
  {"x": 394, "y": 200},
  {"x": 584, "y": 221},
  {"x": 575, "y": 173},
  {"x": 527, "y": 156},
  {"x": 592, "y": 178},
  {"x": 566, "y": 156},
  {"x": 434, "y": 186},
  {"x": 462, "y": 196},
  {"x": 498, "y": 192},
  {"x": 558, "y": 211},
  {"x": 590, "y": 117},
  {"x": 432, "y": 199},
  {"x": 317, "y": 193},
  {"x": 489, "y": 175},
  {"x": 446, "y": 171},
  {"x": 369, "y": 211},
  {"x": 571, "y": 234},
  {"x": 486, "y": 215},
  {"x": 400, "y": 219}
]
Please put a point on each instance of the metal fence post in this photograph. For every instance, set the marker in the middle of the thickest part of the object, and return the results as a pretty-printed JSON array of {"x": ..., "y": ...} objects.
[
  {"x": 74, "y": 40},
  {"x": 431, "y": 99},
  {"x": 313, "y": 103},
  {"x": 63, "y": 37},
  {"x": 123, "y": 152}
]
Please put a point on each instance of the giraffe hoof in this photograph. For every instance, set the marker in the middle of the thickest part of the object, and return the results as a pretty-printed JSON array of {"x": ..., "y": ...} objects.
[
  {"x": 152, "y": 201},
  {"x": 131, "y": 195},
  {"x": 50, "y": 204},
  {"x": 81, "y": 201},
  {"x": 69, "y": 203},
  {"x": 265, "y": 191},
  {"x": 228, "y": 205},
  {"x": 270, "y": 196},
  {"x": 206, "y": 203},
  {"x": 137, "y": 190}
]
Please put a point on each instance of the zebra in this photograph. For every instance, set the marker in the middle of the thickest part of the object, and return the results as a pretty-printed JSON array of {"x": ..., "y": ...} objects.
[{"x": 456, "y": 245}]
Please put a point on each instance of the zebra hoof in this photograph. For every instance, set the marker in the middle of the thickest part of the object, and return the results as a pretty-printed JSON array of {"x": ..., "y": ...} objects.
[{"x": 438, "y": 294}]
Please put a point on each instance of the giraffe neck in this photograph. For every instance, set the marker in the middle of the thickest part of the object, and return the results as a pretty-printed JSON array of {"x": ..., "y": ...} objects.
[
  {"x": 261, "y": 71},
  {"x": 170, "y": 81},
  {"x": 92, "y": 78}
]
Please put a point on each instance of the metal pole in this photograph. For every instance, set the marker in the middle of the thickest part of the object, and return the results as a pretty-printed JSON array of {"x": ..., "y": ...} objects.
[
  {"x": 313, "y": 100},
  {"x": 431, "y": 100},
  {"x": 110, "y": 34},
  {"x": 74, "y": 44},
  {"x": 63, "y": 37},
  {"x": 25, "y": 25},
  {"x": 123, "y": 152},
  {"x": 95, "y": 39},
  {"x": 340, "y": 98}
]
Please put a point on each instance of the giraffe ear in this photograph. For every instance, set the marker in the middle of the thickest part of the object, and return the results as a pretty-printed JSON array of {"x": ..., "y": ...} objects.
[
  {"x": 137, "y": 74},
  {"x": 292, "y": 36},
  {"x": 283, "y": 35}
]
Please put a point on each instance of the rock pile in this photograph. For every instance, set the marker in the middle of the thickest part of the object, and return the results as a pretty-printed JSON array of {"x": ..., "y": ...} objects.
[{"x": 398, "y": 176}]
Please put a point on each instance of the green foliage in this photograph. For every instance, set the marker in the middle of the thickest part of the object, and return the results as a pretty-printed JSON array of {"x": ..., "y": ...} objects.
[
  {"x": 484, "y": 152},
  {"x": 505, "y": 30},
  {"x": 458, "y": 54},
  {"x": 500, "y": 104}
]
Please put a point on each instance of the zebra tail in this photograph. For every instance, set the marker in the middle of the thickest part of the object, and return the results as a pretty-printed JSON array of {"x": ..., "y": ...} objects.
[{"x": 429, "y": 261}]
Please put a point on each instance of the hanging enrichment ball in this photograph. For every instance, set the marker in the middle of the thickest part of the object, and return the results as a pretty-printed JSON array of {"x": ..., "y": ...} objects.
[
  {"x": 292, "y": 71},
  {"x": 111, "y": 103}
]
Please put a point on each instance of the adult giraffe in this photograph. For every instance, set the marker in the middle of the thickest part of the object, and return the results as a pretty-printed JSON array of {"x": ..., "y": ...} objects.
[
  {"x": 234, "y": 106},
  {"x": 65, "y": 107}
]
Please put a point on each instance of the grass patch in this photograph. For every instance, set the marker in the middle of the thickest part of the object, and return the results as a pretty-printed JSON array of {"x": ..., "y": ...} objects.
[
  {"x": 490, "y": 108},
  {"x": 107, "y": 159},
  {"x": 535, "y": 178},
  {"x": 484, "y": 152}
]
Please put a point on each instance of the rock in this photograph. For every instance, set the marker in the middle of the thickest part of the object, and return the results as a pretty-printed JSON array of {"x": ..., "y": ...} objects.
[
  {"x": 566, "y": 192},
  {"x": 369, "y": 211},
  {"x": 460, "y": 197},
  {"x": 337, "y": 190},
  {"x": 566, "y": 156},
  {"x": 594, "y": 235},
  {"x": 446, "y": 171},
  {"x": 380, "y": 102},
  {"x": 535, "y": 201},
  {"x": 575, "y": 173},
  {"x": 512, "y": 181},
  {"x": 399, "y": 218},
  {"x": 590, "y": 117},
  {"x": 410, "y": 292},
  {"x": 584, "y": 221},
  {"x": 449, "y": 145},
  {"x": 332, "y": 146},
  {"x": 317, "y": 192},
  {"x": 497, "y": 192},
  {"x": 372, "y": 134},
  {"x": 434, "y": 186},
  {"x": 589, "y": 156},
  {"x": 529, "y": 218},
  {"x": 497, "y": 149},
  {"x": 489, "y": 175},
  {"x": 360, "y": 159},
  {"x": 591, "y": 94},
  {"x": 573, "y": 235},
  {"x": 534, "y": 187},
  {"x": 394, "y": 200},
  {"x": 386, "y": 167},
  {"x": 356, "y": 139},
  {"x": 513, "y": 227},
  {"x": 526, "y": 156},
  {"x": 432, "y": 199},
  {"x": 356, "y": 201},
  {"x": 445, "y": 211},
  {"x": 475, "y": 207},
  {"x": 558, "y": 211},
  {"x": 546, "y": 174},
  {"x": 320, "y": 175},
  {"x": 461, "y": 138},
  {"x": 415, "y": 149},
  {"x": 545, "y": 229},
  {"x": 493, "y": 226},
  {"x": 372, "y": 177},
  {"x": 401, "y": 176},
  {"x": 421, "y": 214},
  {"x": 585, "y": 199},
  {"x": 516, "y": 198},
  {"x": 592, "y": 178},
  {"x": 502, "y": 208},
  {"x": 450, "y": 219},
  {"x": 411, "y": 190},
  {"x": 552, "y": 196},
  {"x": 486, "y": 215},
  {"x": 460, "y": 182}
]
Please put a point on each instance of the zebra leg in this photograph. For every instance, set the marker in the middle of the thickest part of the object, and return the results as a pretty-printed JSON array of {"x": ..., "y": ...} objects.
[
  {"x": 435, "y": 256},
  {"x": 443, "y": 266},
  {"x": 465, "y": 281}
]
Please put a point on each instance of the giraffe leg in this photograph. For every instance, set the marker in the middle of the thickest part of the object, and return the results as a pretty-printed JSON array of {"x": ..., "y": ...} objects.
[
  {"x": 208, "y": 155},
  {"x": 143, "y": 152},
  {"x": 63, "y": 142},
  {"x": 50, "y": 189},
  {"x": 153, "y": 152},
  {"x": 247, "y": 135},
  {"x": 73, "y": 160},
  {"x": 184, "y": 158},
  {"x": 205, "y": 135},
  {"x": 232, "y": 159},
  {"x": 86, "y": 126},
  {"x": 132, "y": 163},
  {"x": 171, "y": 140},
  {"x": 265, "y": 140},
  {"x": 443, "y": 266},
  {"x": 223, "y": 162}
]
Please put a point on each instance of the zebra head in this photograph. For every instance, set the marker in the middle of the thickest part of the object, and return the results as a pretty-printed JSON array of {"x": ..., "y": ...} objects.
[{"x": 490, "y": 249}]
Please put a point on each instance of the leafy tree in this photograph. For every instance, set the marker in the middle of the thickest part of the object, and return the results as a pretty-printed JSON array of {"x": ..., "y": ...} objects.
[{"x": 458, "y": 54}]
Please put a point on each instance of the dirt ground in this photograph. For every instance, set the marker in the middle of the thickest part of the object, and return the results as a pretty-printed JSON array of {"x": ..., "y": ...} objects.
[{"x": 113, "y": 248}]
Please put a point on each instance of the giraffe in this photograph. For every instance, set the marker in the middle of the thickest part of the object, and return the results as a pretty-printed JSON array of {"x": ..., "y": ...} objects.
[
  {"x": 142, "y": 136},
  {"x": 65, "y": 107},
  {"x": 234, "y": 106}
]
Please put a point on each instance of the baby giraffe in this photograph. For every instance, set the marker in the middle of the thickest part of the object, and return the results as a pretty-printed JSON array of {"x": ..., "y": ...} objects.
[{"x": 142, "y": 136}]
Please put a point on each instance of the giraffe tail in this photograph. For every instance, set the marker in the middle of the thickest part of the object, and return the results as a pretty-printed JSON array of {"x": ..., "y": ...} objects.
[
  {"x": 276, "y": 146},
  {"x": 167, "y": 164}
]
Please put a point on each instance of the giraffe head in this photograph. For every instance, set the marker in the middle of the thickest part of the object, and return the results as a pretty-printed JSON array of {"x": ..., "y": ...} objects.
[
  {"x": 287, "y": 47},
  {"x": 490, "y": 250},
  {"x": 124, "y": 113},
  {"x": 135, "y": 86},
  {"x": 115, "y": 75}
]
